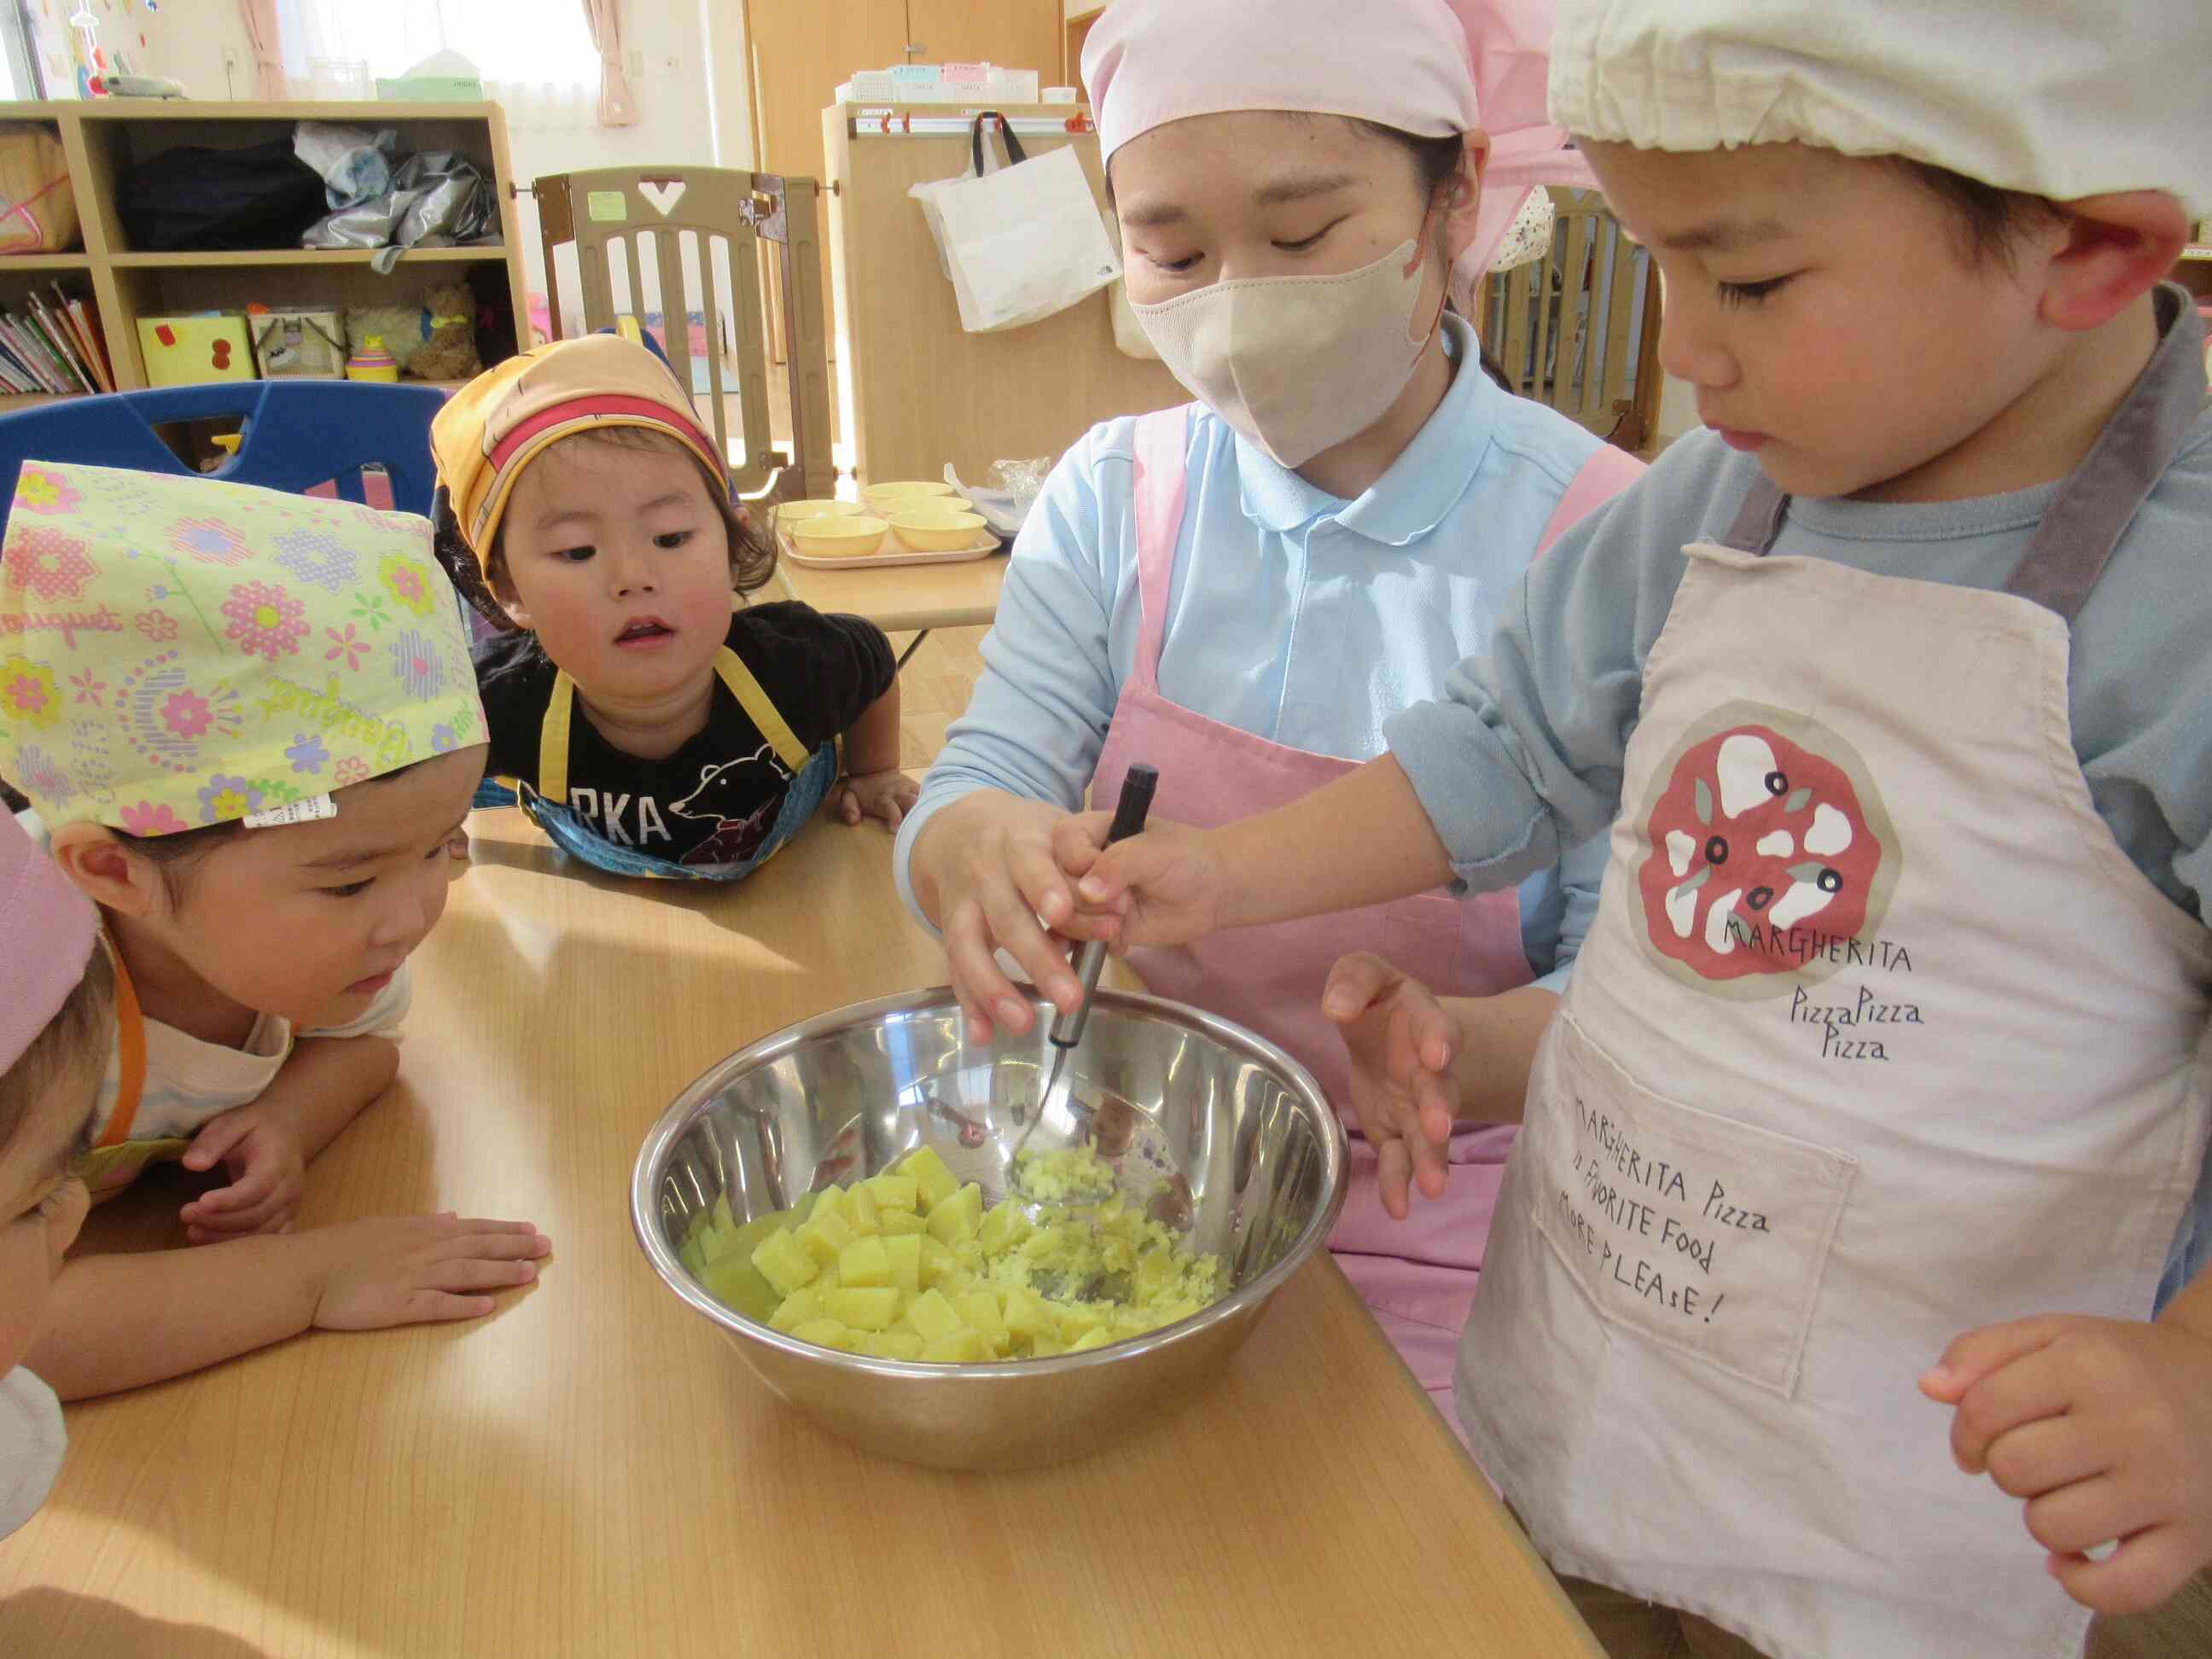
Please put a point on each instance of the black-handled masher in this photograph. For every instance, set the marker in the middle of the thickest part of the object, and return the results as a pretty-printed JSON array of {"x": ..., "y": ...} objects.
[{"x": 1130, "y": 809}]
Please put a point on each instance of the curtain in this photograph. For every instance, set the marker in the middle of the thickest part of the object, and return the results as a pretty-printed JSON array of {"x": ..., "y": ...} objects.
[
  {"x": 262, "y": 33},
  {"x": 616, "y": 107},
  {"x": 537, "y": 59}
]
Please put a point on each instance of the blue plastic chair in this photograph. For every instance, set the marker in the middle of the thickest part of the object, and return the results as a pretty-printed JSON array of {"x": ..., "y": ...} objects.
[{"x": 296, "y": 435}]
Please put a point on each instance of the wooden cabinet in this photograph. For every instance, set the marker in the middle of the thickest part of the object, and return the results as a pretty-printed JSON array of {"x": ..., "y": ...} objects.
[
  {"x": 1013, "y": 33},
  {"x": 803, "y": 50},
  {"x": 1081, "y": 15},
  {"x": 103, "y": 139}
]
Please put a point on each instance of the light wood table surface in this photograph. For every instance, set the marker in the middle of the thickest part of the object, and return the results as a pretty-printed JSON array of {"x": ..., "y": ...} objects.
[
  {"x": 903, "y": 598},
  {"x": 592, "y": 1470}
]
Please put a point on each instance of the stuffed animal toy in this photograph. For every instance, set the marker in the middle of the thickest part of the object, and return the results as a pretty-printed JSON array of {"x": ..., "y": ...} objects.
[
  {"x": 450, "y": 352},
  {"x": 434, "y": 341}
]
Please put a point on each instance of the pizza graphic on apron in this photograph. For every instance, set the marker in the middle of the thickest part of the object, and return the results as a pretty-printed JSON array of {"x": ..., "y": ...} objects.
[{"x": 1764, "y": 841}]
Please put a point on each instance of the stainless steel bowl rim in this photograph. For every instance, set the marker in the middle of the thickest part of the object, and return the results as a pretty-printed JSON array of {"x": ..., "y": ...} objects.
[{"x": 694, "y": 1100}]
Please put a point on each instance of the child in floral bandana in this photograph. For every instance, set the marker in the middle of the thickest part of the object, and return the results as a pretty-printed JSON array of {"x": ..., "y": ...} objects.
[{"x": 248, "y": 729}]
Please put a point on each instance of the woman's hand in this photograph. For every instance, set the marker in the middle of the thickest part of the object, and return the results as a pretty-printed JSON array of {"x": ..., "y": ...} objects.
[{"x": 987, "y": 869}]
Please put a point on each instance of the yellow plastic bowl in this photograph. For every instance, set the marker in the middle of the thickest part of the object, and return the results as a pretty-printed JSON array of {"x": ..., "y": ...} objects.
[
  {"x": 902, "y": 495},
  {"x": 792, "y": 511},
  {"x": 840, "y": 538},
  {"x": 935, "y": 530}
]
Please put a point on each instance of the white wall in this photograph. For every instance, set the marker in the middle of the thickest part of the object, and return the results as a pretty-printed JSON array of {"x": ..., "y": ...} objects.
[
  {"x": 672, "y": 75},
  {"x": 184, "y": 40},
  {"x": 691, "y": 73},
  {"x": 729, "y": 59}
]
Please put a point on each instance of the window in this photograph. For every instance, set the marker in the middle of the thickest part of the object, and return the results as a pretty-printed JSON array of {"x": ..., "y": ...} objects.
[
  {"x": 19, "y": 53},
  {"x": 536, "y": 55}
]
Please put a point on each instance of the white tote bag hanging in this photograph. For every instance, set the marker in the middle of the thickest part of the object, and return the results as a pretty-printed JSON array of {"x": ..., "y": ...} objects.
[{"x": 1019, "y": 242}]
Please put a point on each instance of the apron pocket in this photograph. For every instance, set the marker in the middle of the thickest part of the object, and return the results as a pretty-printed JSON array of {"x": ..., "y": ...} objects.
[{"x": 1703, "y": 1234}]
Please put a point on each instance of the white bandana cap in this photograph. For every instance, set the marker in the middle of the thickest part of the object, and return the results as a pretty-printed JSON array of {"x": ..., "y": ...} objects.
[{"x": 2062, "y": 99}]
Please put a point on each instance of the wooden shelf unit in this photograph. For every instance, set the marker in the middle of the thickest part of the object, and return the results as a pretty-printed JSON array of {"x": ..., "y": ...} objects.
[
  {"x": 281, "y": 258},
  {"x": 102, "y": 139}
]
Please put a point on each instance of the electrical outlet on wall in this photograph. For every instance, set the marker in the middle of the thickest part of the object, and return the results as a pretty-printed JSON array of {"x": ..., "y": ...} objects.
[{"x": 233, "y": 60}]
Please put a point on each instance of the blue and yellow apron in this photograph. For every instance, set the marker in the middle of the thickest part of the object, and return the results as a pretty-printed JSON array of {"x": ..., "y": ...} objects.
[{"x": 811, "y": 778}]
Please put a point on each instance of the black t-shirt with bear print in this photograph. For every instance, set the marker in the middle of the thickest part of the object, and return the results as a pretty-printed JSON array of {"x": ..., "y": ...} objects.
[{"x": 715, "y": 799}]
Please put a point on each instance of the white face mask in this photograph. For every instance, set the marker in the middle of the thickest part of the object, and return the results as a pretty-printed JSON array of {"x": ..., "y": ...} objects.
[{"x": 1298, "y": 364}]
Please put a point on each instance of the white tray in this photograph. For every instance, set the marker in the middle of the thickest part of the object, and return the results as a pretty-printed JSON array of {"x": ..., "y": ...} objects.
[{"x": 893, "y": 551}]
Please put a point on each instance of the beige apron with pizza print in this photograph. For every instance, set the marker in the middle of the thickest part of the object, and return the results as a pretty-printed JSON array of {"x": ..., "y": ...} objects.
[{"x": 1879, "y": 1037}]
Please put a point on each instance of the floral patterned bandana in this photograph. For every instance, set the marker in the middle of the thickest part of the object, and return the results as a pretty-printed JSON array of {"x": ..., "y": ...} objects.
[{"x": 177, "y": 651}]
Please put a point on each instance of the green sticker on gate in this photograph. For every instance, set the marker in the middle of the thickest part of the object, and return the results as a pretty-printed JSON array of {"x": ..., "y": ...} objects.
[{"x": 606, "y": 207}]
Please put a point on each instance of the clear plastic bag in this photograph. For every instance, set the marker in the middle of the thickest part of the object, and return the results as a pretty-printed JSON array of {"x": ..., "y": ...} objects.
[
  {"x": 1013, "y": 489},
  {"x": 356, "y": 164}
]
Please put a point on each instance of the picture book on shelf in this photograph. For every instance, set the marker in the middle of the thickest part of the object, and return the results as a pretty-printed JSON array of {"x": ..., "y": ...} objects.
[{"x": 53, "y": 347}]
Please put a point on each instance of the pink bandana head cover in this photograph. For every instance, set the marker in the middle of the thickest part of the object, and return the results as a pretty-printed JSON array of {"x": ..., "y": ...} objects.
[{"x": 1427, "y": 67}]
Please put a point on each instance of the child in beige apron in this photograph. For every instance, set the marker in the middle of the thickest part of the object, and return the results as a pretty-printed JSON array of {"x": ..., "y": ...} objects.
[
  {"x": 1890, "y": 1043},
  {"x": 1755, "y": 1246}
]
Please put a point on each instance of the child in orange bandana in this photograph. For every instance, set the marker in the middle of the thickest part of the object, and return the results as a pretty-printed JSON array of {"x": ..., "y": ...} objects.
[{"x": 657, "y": 726}]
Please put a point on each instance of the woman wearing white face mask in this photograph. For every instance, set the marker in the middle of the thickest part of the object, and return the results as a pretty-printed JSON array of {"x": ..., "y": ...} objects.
[{"x": 1241, "y": 593}]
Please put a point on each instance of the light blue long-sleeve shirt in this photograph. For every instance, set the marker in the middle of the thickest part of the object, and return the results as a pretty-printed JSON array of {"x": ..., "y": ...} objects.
[{"x": 1293, "y": 615}]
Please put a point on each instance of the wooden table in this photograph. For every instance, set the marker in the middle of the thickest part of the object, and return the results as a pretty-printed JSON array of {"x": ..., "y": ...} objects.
[
  {"x": 903, "y": 598},
  {"x": 592, "y": 1469}
]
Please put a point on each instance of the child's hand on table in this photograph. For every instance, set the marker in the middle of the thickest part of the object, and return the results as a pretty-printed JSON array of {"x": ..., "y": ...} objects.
[
  {"x": 2105, "y": 1427},
  {"x": 886, "y": 795},
  {"x": 1402, "y": 1042},
  {"x": 268, "y": 1172},
  {"x": 407, "y": 1270}
]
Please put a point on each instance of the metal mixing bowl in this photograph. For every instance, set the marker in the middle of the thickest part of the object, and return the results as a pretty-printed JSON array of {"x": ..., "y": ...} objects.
[{"x": 1219, "y": 1133}]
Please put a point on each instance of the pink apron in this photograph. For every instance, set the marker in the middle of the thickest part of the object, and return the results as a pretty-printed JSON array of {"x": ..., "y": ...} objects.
[{"x": 1418, "y": 1276}]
